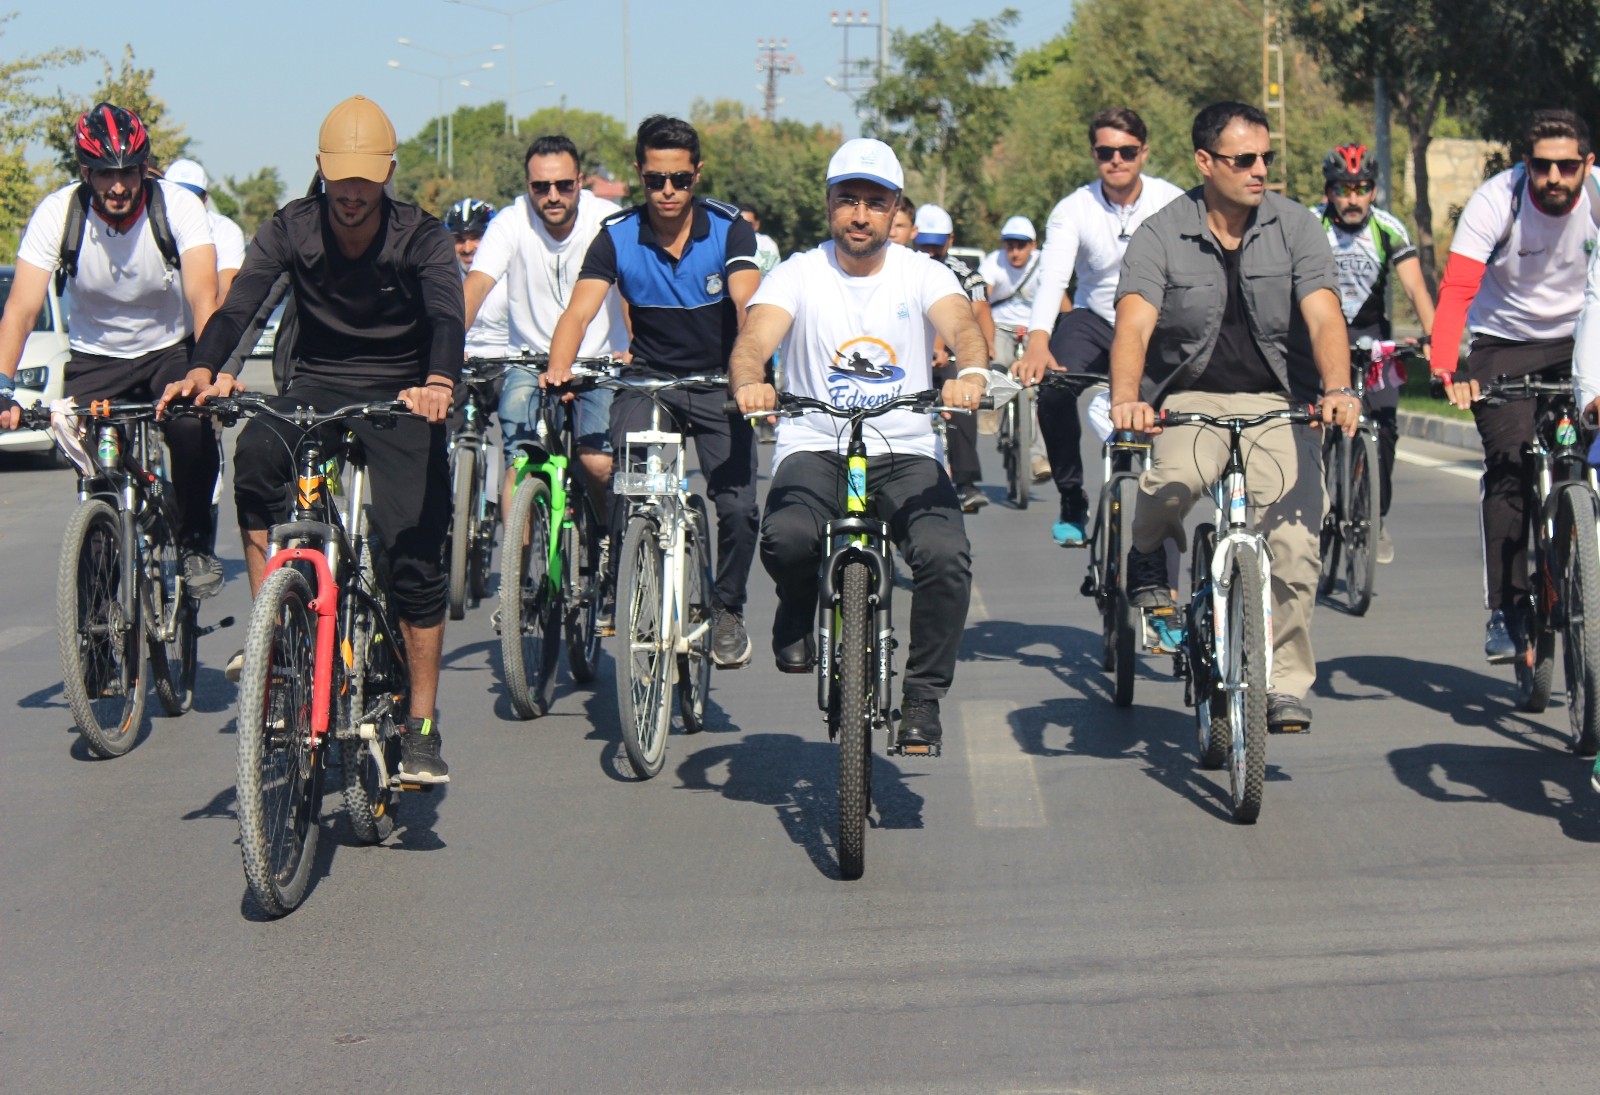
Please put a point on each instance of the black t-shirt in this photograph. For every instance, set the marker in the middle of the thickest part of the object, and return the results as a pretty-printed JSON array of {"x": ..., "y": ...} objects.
[
  {"x": 1236, "y": 363},
  {"x": 386, "y": 319}
]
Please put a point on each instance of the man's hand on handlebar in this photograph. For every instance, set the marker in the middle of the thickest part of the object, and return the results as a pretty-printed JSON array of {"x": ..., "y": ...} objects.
[
  {"x": 431, "y": 403},
  {"x": 1341, "y": 410},
  {"x": 10, "y": 413},
  {"x": 963, "y": 392},
  {"x": 199, "y": 386},
  {"x": 1136, "y": 416},
  {"x": 755, "y": 398},
  {"x": 1461, "y": 393},
  {"x": 1036, "y": 360}
]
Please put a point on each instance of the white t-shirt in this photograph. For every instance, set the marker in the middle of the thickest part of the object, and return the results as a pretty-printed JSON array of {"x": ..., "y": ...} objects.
[
  {"x": 540, "y": 272},
  {"x": 857, "y": 341},
  {"x": 490, "y": 333},
  {"x": 1011, "y": 288},
  {"x": 228, "y": 239},
  {"x": 126, "y": 300},
  {"x": 1087, "y": 235},
  {"x": 1533, "y": 289}
]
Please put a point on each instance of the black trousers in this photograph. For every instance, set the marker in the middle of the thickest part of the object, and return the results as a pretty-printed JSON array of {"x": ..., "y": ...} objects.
[
  {"x": 1505, "y": 429},
  {"x": 726, "y": 448},
  {"x": 409, "y": 473},
  {"x": 961, "y": 439},
  {"x": 917, "y": 499},
  {"x": 196, "y": 457},
  {"x": 1080, "y": 343}
]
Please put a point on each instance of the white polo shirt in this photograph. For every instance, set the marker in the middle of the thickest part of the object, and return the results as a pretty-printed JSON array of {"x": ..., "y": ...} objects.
[{"x": 1087, "y": 236}]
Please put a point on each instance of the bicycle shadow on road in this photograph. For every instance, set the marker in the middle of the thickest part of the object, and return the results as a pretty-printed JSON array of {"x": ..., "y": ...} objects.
[{"x": 799, "y": 779}]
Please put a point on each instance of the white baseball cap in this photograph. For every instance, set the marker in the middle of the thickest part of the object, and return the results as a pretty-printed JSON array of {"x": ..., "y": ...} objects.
[
  {"x": 1018, "y": 228},
  {"x": 933, "y": 225},
  {"x": 189, "y": 175},
  {"x": 865, "y": 158}
]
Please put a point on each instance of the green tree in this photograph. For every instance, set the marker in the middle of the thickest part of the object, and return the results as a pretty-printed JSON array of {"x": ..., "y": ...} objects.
[
  {"x": 1551, "y": 48},
  {"x": 254, "y": 198},
  {"x": 24, "y": 113},
  {"x": 127, "y": 86}
]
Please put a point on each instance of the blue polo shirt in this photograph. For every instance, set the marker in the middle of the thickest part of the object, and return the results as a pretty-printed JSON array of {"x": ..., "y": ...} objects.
[{"x": 682, "y": 317}]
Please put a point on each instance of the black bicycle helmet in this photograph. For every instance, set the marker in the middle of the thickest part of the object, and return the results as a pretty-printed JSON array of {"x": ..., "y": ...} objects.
[
  {"x": 468, "y": 216},
  {"x": 108, "y": 136},
  {"x": 1350, "y": 163}
]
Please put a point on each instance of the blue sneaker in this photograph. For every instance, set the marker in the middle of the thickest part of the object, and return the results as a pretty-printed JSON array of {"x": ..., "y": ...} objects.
[{"x": 1068, "y": 533}]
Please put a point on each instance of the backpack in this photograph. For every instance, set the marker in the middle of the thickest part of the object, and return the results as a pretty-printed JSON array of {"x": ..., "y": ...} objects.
[
  {"x": 1520, "y": 187},
  {"x": 78, "y": 223}
]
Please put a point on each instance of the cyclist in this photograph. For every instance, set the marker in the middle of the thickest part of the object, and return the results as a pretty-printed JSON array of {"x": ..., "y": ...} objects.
[
  {"x": 1229, "y": 300},
  {"x": 767, "y": 256},
  {"x": 1518, "y": 261},
  {"x": 903, "y": 224},
  {"x": 1013, "y": 275},
  {"x": 1086, "y": 237},
  {"x": 379, "y": 292},
  {"x": 488, "y": 333},
  {"x": 134, "y": 316},
  {"x": 686, "y": 267},
  {"x": 855, "y": 295},
  {"x": 1367, "y": 242},
  {"x": 935, "y": 232},
  {"x": 226, "y": 236}
]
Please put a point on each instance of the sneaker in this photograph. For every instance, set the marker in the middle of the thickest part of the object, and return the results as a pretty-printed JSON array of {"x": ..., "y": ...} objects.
[
  {"x": 1041, "y": 469},
  {"x": 921, "y": 734},
  {"x": 1286, "y": 714},
  {"x": 793, "y": 646},
  {"x": 1068, "y": 532},
  {"x": 1499, "y": 645},
  {"x": 235, "y": 667},
  {"x": 1147, "y": 579},
  {"x": 731, "y": 647},
  {"x": 202, "y": 573},
  {"x": 1385, "y": 546},
  {"x": 420, "y": 761},
  {"x": 972, "y": 499}
]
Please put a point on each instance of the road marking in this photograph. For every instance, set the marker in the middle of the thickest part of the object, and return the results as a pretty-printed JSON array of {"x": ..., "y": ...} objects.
[
  {"x": 1464, "y": 469},
  {"x": 21, "y": 633},
  {"x": 1005, "y": 788}
]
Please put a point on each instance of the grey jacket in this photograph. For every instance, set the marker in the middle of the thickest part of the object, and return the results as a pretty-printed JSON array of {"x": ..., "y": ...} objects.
[{"x": 1175, "y": 262}]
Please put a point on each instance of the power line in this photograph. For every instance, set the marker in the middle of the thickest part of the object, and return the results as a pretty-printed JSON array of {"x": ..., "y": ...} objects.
[{"x": 771, "y": 60}]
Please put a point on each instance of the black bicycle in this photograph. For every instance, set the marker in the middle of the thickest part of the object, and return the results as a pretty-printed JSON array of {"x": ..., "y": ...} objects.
[{"x": 475, "y": 485}]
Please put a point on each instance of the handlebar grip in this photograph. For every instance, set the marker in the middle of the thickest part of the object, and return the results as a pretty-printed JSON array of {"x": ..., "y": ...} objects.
[
  {"x": 986, "y": 403},
  {"x": 1437, "y": 383},
  {"x": 730, "y": 406}
]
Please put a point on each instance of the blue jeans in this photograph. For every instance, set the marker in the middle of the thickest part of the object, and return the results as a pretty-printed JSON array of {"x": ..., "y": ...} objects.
[{"x": 521, "y": 394}]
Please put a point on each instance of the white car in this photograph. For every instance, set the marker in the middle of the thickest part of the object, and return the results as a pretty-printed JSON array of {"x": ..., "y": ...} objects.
[{"x": 41, "y": 374}]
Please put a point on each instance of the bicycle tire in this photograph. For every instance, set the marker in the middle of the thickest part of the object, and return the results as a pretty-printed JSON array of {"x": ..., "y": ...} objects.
[
  {"x": 485, "y": 490},
  {"x": 1246, "y": 687},
  {"x": 581, "y": 571},
  {"x": 1330, "y": 538},
  {"x": 643, "y": 668},
  {"x": 369, "y": 801},
  {"x": 1535, "y": 666},
  {"x": 1361, "y": 515},
  {"x": 530, "y": 609},
  {"x": 172, "y": 663},
  {"x": 1580, "y": 644},
  {"x": 1128, "y": 620},
  {"x": 694, "y": 667},
  {"x": 463, "y": 462},
  {"x": 855, "y": 711},
  {"x": 1210, "y": 716},
  {"x": 1102, "y": 574},
  {"x": 280, "y": 770},
  {"x": 99, "y": 648}
]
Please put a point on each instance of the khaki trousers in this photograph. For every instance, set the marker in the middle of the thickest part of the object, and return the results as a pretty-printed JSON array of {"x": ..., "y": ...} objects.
[{"x": 1283, "y": 472}]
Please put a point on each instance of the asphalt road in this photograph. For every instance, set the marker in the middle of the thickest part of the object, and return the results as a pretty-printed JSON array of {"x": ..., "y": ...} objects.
[{"x": 1061, "y": 903}]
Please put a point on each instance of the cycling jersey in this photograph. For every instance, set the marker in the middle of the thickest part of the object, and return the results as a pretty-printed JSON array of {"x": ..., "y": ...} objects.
[{"x": 1364, "y": 258}]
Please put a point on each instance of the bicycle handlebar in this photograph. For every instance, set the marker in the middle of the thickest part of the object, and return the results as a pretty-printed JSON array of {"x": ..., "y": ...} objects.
[
  {"x": 381, "y": 412},
  {"x": 37, "y": 417},
  {"x": 1073, "y": 382},
  {"x": 791, "y": 405},
  {"x": 1507, "y": 389},
  {"x": 1297, "y": 415}
]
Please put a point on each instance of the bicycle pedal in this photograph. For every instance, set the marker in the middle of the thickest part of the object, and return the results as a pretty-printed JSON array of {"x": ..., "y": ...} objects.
[
  {"x": 1289, "y": 728},
  {"x": 226, "y": 621},
  {"x": 922, "y": 750},
  {"x": 1086, "y": 589}
]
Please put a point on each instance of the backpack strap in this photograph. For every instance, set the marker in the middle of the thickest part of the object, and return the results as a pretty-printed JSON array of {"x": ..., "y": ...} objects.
[
  {"x": 160, "y": 227},
  {"x": 72, "y": 235},
  {"x": 1519, "y": 187}
]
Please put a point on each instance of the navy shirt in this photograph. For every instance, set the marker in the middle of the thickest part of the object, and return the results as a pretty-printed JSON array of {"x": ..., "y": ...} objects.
[{"x": 682, "y": 317}]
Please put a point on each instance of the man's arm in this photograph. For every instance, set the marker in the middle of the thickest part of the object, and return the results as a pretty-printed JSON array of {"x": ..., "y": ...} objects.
[
  {"x": 742, "y": 284},
  {"x": 30, "y": 287},
  {"x": 985, "y": 317},
  {"x": 198, "y": 268},
  {"x": 764, "y": 328},
  {"x": 588, "y": 295},
  {"x": 1408, "y": 272},
  {"x": 1056, "y": 261},
  {"x": 476, "y": 289},
  {"x": 956, "y": 326},
  {"x": 1130, "y": 343},
  {"x": 1330, "y": 348}
]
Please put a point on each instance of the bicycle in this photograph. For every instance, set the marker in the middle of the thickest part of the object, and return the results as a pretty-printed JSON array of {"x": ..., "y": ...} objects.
[
  {"x": 475, "y": 489},
  {"x": 324, "y": 659},
  {"x": 1225, "y": 656},
  {"x": 1015, "y": 441},
  {"x": 664, "y": 600},
  {"x": 551, "y": 575},
  {"x": 121, "y": 577}
]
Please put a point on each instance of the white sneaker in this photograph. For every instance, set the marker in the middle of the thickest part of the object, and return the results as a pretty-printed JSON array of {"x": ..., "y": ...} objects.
[
  {"x": 1385, "y": 546},
  {"x": 235, "y": 668}
]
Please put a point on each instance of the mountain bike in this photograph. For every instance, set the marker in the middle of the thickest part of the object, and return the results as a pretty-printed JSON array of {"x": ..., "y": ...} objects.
[
  {"x": 324, "y": 661},
  {"x": 1225, "y": 656},
  {"x": 475, "y": 486},
  {"x": 664, "y": 598},
  {"x": 121, "y": 597},
  {"x": 550, "y": 560}
]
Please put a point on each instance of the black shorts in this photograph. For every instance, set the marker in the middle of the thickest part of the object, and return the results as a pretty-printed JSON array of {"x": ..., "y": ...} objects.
[{"x": 1081, "y": 343}]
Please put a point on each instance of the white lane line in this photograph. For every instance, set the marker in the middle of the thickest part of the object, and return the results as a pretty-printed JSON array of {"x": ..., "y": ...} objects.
[
  {"x": 1462, "y": 468},
  {"x": 1005, "y": 787},
  {"x": 977, "y": 611},
  {"x": 21, "y": 633}
]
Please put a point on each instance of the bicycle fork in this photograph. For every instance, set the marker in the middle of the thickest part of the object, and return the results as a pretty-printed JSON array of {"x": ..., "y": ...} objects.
[{"x": 1239, "y": 537}]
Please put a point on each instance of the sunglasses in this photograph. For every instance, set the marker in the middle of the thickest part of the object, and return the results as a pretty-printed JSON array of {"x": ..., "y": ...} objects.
[
  {"x": 657, "y": 180},
  {"x": 1541, "y": 166},
  {"x": 1105, "y": 153},
  {"x": 1352, "y": 190},
  {"x": 563, "y": 186},
  {"x": 1243, "y": 161}
]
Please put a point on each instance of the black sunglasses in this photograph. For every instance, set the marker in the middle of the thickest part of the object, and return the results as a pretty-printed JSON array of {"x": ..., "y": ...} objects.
[
  {"x": 1106, "y": 152},
  {"x": 1243, "y": 161},
  {"x": 657, "y": 180},
  {"x": 542, "y": 186},
  {"x": 1541, "y": 166}
]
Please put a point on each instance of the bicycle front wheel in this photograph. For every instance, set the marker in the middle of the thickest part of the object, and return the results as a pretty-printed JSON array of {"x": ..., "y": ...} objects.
[
  {"x": 102, "y": 661},
  {"x": 377, "y": 668},
  {"x": 1245, "y": 684},
  {"x": 172, "y": 658},
  {"x": 280, "y": 768},
  {"x": 1210, "y": 712},
  {"x": 1580, "y": 590},
  {"x": 530, "y": 616},
  {"x": 644, "y": 664},
  {"x": 694, "y": 667},
  {"x": 854, "y": 719},
  {"x": 463, "y": 470},
  {"x": 581, "y": 572},
  {"x": 1361, "y": 524},
  {"x": 1333, "y": 450},
  {"x": 1126, "y": 625},
  {"x": 1536, "y": 662}
]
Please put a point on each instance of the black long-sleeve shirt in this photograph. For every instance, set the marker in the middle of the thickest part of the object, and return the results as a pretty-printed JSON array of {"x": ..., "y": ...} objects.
[{"x": 391, "y": 317}]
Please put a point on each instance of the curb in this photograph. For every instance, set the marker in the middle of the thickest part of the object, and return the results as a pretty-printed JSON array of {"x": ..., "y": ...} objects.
[{"x": 1441, "y": 431}]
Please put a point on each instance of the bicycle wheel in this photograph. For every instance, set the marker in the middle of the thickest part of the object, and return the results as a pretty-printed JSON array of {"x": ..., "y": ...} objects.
[
  {"x": 855, "y": 711},
  {"x": 1332, "y": 469},
  {"x": 1361, "y": 529},
  {"x": 1245, "y": 685},
  {"x": 1580, "y": 590},
  {"x": 1127, "y": 621},
  {"x": 463, "y": 462},
  {"x": 580, "y": 569},
  {"x": 530, "y": 607},
  {"x": 1210, "y": 715},
  {"x": 1101, "y": 579},
  {"x": 377, "y": 667},
  {"x": 485, "y": 491},
  {"x": 694, "y": 667},
  {"x": 280, "y": 770},
  {"x": 172, "y": 660},
  {"x": 644, "y": 667},
  {"x": 102, "y": 659},
  {"x": 1536, "y": 665}
]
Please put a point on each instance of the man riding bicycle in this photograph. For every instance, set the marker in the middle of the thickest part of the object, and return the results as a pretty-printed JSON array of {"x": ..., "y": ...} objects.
[
  {"x": 857, "y": 296},
  {"x": 379, "y": 292},
  {"x": 488, "y": 332}
]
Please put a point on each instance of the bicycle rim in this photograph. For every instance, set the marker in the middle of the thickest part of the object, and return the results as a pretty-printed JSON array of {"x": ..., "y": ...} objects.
[
  {"x": 1361, "y": 537},
  {"x": 643, "y": 665},
  {"x": 854, "y": 713},
  {"x": 529, "y": 607},
  {"x": 1580, "y": 643},
  {"x": 102, "y": 658},
  {"x": 1247, "y": 688}
]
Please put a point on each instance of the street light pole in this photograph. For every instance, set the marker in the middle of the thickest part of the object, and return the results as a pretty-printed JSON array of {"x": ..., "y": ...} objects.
[
  {"x": 445, "y": 124},
  {"x": 511, "y": 37}
]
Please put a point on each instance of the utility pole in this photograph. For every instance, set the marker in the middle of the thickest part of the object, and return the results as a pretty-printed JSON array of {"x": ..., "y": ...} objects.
[
  {"x": 860, "y": 74},
  {"x": 1272, "y": 87},
  {"x": 774, "y": 63}
]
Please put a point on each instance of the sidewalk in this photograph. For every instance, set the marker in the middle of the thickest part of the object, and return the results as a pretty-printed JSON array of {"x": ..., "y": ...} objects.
[{"x": 1454, "y": 432}]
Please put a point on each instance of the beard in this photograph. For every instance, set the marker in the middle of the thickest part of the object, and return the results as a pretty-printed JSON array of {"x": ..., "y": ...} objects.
[
  {"x": 1557, "y": 200},
  {"x": 859, "y": 251}
]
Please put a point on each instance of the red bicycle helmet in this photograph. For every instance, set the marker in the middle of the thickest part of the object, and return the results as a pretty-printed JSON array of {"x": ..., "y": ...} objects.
[
  {"x": 108, "y": 136},
  {"x": 1350, "y": 163}
]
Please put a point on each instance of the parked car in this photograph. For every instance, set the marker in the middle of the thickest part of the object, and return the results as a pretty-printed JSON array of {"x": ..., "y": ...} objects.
[{"x": 41, "y": 374}]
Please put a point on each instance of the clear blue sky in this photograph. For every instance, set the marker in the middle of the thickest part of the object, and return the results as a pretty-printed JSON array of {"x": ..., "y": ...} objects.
[{"x": 251, "y": 82}]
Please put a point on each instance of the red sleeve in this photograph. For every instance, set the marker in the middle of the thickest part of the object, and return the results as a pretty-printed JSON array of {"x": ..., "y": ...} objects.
[{"x": 1462, "y": 276}]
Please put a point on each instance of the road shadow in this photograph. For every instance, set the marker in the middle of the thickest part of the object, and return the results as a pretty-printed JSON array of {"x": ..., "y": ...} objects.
[{"x": 799, "y": 780}]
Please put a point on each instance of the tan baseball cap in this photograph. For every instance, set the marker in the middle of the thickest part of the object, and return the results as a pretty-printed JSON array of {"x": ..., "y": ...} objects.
[{"x": 357, "y": 141}]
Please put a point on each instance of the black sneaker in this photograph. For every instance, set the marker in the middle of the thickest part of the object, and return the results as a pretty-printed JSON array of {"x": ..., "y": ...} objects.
[
  {"x": 921, "y": 734},
  {"x": 1499, "y": 644},
  {"x": 972, "y": 499},
  {"x": 1146, "y": 579},
  {"x": 1287, "y": 714},
  {"x": 731, "y": 647},
  {"x": 202, "y": 573},
  {"x": 420, "y": 761}
]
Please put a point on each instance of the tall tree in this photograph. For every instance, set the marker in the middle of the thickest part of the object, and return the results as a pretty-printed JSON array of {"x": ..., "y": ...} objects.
[
  {"x": 127, "y": 86},
  {"x": 24, "y": 113},
  {"x": 256, "y": 198}
]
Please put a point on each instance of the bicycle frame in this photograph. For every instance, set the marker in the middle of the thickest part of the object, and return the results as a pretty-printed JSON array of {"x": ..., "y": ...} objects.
[
  {"x": 1236, "y": 532},
  {"x": 552, "y": 466}
]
